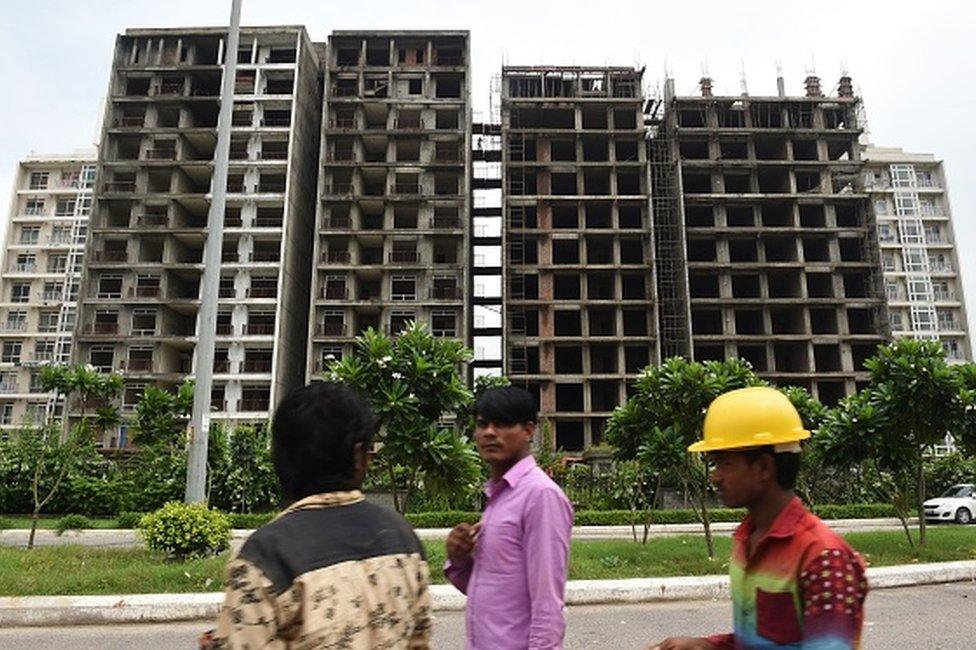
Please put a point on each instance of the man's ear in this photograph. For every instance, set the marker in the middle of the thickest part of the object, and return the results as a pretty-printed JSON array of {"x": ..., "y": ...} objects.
[
  {"x": 768, "y": 466},
  {"x": 530, "y": 430},
  {"x": 360, "y": 459}
]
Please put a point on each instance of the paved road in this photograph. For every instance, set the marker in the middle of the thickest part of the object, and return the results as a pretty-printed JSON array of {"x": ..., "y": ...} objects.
[
  {"x": 127, "y": 538},
  {"x": 936, "y": 617}
]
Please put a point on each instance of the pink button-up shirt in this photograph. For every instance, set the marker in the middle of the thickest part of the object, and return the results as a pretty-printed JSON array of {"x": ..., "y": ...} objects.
[{"x": 516, "y": 580}]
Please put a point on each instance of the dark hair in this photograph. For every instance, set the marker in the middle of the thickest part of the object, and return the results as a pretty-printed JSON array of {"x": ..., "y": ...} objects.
[
  {"x": 787, "y": 464},
  {"x": 313, "y": 434},
  {"x": 506, "y": 405}
]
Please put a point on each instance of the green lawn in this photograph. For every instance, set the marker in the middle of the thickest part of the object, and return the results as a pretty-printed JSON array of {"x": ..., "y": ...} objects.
[
  {"x": 74, "y": 570},
  {"x": 50, "y": 521}
]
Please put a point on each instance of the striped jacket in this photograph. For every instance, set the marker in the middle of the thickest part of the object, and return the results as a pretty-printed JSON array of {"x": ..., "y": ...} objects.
[{"x": 331, "y": 571}]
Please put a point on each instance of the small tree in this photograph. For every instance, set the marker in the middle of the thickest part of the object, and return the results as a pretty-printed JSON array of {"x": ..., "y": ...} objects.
[
  {"x": 665, "y": 416},
  {"x": 914, "y": 399},
  {"x": 52, "y": 450},
  {"x": 814, "y": 470},
  {"x": 413, "y": 382},
  {"x": 246, "y": 480}
]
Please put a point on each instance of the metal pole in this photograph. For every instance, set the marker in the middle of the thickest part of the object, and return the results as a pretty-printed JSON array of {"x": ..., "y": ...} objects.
[{"x": 196, "y": 467}]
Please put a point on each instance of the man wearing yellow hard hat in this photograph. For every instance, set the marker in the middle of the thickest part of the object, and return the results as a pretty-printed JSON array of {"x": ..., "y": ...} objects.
[{"x": 795, "y": 583}]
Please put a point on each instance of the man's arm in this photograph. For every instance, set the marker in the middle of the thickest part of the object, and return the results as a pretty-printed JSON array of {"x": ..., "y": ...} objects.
[
  {"x": 460, "y": 547},
  {"x": 833, "y": 589},
  {"x": 459, "y": 573},
  {"x": 547, "y": 526},
  {"x": 247, "y": 618}
]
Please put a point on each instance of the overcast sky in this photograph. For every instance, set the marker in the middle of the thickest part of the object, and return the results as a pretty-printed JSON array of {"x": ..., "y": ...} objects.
[{"x": 912, "y": 62}]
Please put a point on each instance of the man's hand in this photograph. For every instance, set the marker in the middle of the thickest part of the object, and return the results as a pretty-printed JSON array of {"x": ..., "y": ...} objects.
[
  {"x": 461, "y": 541},
  {"x": 682, "y": 643}
]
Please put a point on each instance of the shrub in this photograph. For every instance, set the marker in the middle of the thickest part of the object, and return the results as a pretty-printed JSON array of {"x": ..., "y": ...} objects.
[
  {"x": 5, "y": 523},
  {"x": 444, "y": 519},
  {"x": 128, "y": 519},
  {"x": 249, "y": 520},
  {"x": 72, "y": 522},
  {"x": 855, "y": 511},
  {"x": 182, "y": 530}
]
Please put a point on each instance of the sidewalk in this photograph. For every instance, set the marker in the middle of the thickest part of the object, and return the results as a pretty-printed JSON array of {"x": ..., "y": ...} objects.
[
  {"x": 127, "y": 538},
  {"x": 156, "y": 608}
]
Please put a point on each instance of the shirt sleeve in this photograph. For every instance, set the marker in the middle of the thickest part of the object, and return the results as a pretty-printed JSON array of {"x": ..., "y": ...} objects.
[
  {"x": 548, "y": 524},
  {"x": 833, "y": 588},
  {"x": 247, "y": 618},
  {"x": 459, "y": 573}
]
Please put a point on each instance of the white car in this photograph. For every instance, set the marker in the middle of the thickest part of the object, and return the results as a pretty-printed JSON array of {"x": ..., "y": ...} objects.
[{"x": 958, "y": 504}]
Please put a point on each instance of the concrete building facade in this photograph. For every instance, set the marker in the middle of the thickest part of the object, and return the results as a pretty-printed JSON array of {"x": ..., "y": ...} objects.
[
  {"x": 392, "y": 242},
  {"x": 910, "y": 200},
  {"x": 578, "y": 254},
  {"x": 41, "y": 272},
  {"x": 780, "y": 262},
  {"x": 141, "y": 295}
]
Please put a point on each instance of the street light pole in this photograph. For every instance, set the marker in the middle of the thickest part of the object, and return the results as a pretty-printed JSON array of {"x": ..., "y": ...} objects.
[{"x": 196, "y": 467}]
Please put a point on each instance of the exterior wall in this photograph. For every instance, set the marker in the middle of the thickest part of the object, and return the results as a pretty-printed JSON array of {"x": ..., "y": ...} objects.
[
  {"x": 578, "y": 253},
  {"x": 394, "y": 189},
  {"x": 41, "y": 272},
  {"x": 782, "y": 254},
  {"x": 141, "y": 296},
  {"x": 923, "y": 286}
]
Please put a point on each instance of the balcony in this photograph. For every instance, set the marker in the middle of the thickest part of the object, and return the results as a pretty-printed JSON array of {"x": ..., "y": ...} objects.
[
  {"x": 266, "y": 256},
  {"x": 257, "y": 365},
  {"x": 445, "y": 293},
  {"x": 342, "y": 123},
  {"x": 227, "y": 292},
  {"x": 336, "y": 293},
  {"x": 29, "y": 267},
  {"x": 160, "y": 154},
  {"x": 447, "y": 156},
  {"x": 406, "y": 188},
  {"x": 111, "y": 256},
  {"x": 403, "y": 257},
  {"x": 138, "y": 365},
  {"x": 254, "y": 404},
  {"x": 340, "y": 188},
  {"x": 152, "y": 219},
  {"x": 337, "y": 257},
  {"x": 331, "y": 329},
  {"x": 144, "y": 292},
  {"x": 224, "y": 329},
  {"x": 273, "y": 155},
  {"x": 446, "y": 223},
  {"x": 408, "y": 123},
  {"x": 221, "y": 366},
  {"x": 131, "y": 121},
  {"x": 51, "y": 296},
  {"x": 276, "y": 121},
  {"x": 120, "y": 186},
  {"x": 13, "y": 326},
  {"x": 261, "y": 292},
  {"x": 171, "y": 88},
  {"x": 945, "y": 296},
  {"x": 259, "y": 329},
  {"x": 8, "y": 387},
  {"x": 338, "y": 222},
  {"x": 103, "y": 328}
]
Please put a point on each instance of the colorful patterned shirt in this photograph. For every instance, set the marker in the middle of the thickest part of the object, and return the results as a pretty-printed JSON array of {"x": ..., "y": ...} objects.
[
  {"x": 802, "y": 587},
  {"x": 332, "y": 571}
]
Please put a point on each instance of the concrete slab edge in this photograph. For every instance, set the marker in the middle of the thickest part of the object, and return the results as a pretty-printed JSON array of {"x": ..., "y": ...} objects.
[{"x": 158, "y": 608}]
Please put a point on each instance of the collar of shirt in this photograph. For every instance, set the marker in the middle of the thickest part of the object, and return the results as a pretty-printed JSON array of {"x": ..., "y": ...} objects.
[
  {"x": 324, "y": 500},
  {"x": 511, "y": 478},
  {"x": 783, "y": 526}
]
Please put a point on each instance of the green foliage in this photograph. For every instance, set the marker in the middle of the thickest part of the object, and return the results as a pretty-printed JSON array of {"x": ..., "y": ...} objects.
[
  {"x": 447, "y": 519},
  {"x": 249, "y": 520},
  {"x": 241, "y": 470},
  {"x": 72, "y": 522},
  {"x": 412, "y": 382},
  {"x": 128, "y": 519},
  {"x": 551, "y": 460},
  {"x": 161, "y": 416},
  {"x": 914, "y": 399},
  {"x": 5, "y": 523},
  {"x": 665, "y": 415},
  {"x": 945, "y": 471},
  {"x": 181, "y": 530}
]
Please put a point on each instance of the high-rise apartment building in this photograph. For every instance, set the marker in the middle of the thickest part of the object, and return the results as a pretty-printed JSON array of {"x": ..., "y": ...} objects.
[
  {"x": 922, "y": 283},
  {"x": 777, "y": 255},
  {"x": 141, "y": 295},
  {"x": 392, "y": 230},
  {"x": 41, "y": 273},
  {"x": 578, "y": 254}
]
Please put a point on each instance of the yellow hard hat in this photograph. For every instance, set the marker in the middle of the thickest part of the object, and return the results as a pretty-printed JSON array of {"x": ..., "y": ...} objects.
[{"x": 750, "y": 417}]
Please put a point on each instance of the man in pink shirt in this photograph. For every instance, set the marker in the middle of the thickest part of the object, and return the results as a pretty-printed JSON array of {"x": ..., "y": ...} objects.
[{"x": 513, "y": 563}]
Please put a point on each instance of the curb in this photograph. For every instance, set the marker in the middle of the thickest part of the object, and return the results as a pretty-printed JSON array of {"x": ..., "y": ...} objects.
[{"x": 26, "y": 611}]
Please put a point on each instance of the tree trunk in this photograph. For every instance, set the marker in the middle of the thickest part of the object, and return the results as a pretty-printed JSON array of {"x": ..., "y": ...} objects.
[
  {"x": 904, "y": 525},
  {"x": 393, "y": 488},
  {"x": 709, "y": 542},
  {"x": 919, "y": 499},
  {"x": 33, "y": 529}
]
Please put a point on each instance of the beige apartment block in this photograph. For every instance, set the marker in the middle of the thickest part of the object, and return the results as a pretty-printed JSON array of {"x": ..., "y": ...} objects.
[
  {"x": 141, "y": 295},
  {"x": 394, "y": 189},
  {"x": 923, "y": 285},
  {"x": 39, "y": 278}
]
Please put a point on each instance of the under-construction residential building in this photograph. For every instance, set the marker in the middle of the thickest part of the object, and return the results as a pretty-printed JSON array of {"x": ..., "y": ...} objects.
[
  {"x": 780, "y": 257},
  {"x": 394, "y": 189},
  {"x": 141, "y": 295},
  {"x": 578, "y": 256},
  {"x": 39, "y": 280},
  {"x": 923, "y": 285}
]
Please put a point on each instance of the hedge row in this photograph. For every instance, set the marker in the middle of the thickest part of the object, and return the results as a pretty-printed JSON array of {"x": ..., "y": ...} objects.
[{"x": 450, "y": 518}]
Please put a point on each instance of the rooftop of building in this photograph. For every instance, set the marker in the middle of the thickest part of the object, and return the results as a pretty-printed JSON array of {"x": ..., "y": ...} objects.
[
  {"x": 83, "y": 154},
  {"x": 211, "y": 30},
  {"x": 873, "y": 153}
]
